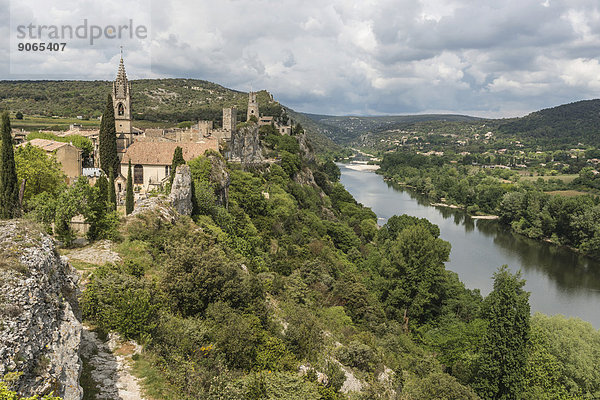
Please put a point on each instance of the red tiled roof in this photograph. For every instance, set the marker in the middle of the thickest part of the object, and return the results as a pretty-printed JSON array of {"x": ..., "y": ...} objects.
[{"x": 161, "y": 153}]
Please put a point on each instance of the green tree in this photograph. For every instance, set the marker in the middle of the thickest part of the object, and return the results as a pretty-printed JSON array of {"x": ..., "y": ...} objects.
[
  {"x": 112, "y": 195},
  {"x": 71, "y": 202},
  {"x": 290, "y": 163},
  {"x": 503, "y": 359},
  {"x": 297, "y": 130},
  {"x": 332, "y": 171},
  {"x": 564, "y": 357},
  {"x": 9, "y": 187},
  {"x": 129, "y": 194},
  {"x": 7, "y": 394},
  {"x": 177, "y": 161},
  {"x": 102, "y": 185},
  {"x": 412, "y": 278},
  {"x": 108, "y": 140},
  {"x": 40, "y": 172},
  {"x": 19, "y": 115},
  {"x": 99, "y": 214},
  {"x": 438, "y": 386}
]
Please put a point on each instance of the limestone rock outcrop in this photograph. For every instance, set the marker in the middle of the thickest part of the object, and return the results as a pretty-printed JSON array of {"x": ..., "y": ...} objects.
[
  {"x": 40, "y": 328},
  {"x": 219, "y": 178},
  {"x": 305, "y": 147},
  {"x": 181, "y": 190},
  {"x": 245, "y": 145},
  {"x": 159, "y": 205}
]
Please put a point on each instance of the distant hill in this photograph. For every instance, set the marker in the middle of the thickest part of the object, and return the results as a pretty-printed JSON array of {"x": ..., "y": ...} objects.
[
  {"x": 566, "y": 124},
  {"x": 348, "y": 129},
  {"x": 172, "y": 100},
  {"x": 561, "y": 126},
  {"x": 166, "y": 100}
]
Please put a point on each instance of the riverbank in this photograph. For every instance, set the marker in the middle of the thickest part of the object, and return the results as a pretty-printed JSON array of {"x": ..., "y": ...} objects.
[
  {"x": 560, "y": 281},
  {"x": 488, "y": 217},
  {"x": 445, "y": 205},
  {"x": 363, "y": 167}
]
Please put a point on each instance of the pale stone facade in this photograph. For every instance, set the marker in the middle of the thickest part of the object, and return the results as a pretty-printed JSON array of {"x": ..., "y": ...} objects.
[
  {"x": 121, "y": 95},
  {"x": 230, "y": 119},
  {"x": 151, "y": 161},
  {"x": 252, "y": 106},
  {"x": 69, "y": 156}
]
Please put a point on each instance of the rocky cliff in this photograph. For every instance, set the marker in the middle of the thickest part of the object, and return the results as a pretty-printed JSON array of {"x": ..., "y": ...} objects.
[
  {"x": 40, "y": 323},
  {"x": 245, "y": 145},
  {"x": 219, "y": 178},
  {"x": 181, "y": 190}
]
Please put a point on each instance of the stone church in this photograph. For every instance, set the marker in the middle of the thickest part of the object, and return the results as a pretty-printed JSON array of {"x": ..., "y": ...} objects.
[{"x": 121, "y": 96}]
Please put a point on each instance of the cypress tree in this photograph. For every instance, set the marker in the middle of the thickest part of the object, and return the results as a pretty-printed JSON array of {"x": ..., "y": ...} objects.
[
  {"x": 112, "y": 195},
  {"x": 129, "y": 195},
  {"x": 108, "y": 140},
  {"x": 102, "y": 185},
  {"x": 97, "y": 208},
  {"x": 177, "y": 161},
  {"x": 503, "y": 359},
  {"x": 9, "y": 188}
]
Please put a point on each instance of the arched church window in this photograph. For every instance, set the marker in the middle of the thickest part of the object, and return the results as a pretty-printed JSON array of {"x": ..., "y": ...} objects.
[
  {"x": 120, "y": 109},
  {"x": 138, "y": 174}
]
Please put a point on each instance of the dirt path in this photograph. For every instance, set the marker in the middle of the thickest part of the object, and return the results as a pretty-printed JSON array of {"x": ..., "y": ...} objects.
[
  {"x": 107, "y": 368},
  {"x": 99, "y": 253},
  {"x": 107, "y": 364}
]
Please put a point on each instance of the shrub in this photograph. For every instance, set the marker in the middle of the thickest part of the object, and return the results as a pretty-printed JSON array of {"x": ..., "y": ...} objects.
[
  {"x": 121, "y": 302},
  {"x": 358, "y": 355}
]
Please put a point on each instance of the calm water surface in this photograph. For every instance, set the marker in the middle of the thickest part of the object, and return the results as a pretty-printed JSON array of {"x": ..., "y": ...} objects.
[{"x": 560, "y": 281}]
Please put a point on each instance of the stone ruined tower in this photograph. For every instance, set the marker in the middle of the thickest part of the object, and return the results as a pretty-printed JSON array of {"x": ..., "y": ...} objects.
[
  {"x": 252, "y": 106},
  {"x": 229, "y": 118},
  {"x": 121, "y": 95}
]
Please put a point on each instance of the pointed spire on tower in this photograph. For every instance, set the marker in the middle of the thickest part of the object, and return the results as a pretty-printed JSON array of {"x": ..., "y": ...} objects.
[
  {"x": 121, "y": 95},
  {"x": 121, "y": 86}
]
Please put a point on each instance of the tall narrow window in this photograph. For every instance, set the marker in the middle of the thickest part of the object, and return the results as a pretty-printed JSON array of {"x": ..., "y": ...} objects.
[
  {"x": 120, "y": 109},
  {"x": 138, "y": 174}
]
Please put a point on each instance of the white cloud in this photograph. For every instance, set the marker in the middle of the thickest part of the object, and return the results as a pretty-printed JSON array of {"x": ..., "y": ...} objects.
[
  {"x": 336, "y": 56},
  {"x": 583, "y": 73}
]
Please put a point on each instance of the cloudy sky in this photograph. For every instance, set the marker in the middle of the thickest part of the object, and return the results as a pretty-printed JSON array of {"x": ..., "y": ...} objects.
[{"x": 480, "y": 57}]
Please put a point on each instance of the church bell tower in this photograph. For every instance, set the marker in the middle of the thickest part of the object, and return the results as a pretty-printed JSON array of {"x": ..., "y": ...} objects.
[{"x": 121, "y": 95}]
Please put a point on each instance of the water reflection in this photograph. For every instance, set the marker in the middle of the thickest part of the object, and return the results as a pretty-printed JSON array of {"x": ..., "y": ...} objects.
[{"x": 560, "y": 280}]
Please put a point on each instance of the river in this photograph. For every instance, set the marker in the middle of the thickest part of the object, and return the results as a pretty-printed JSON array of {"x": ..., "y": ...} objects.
[{"x": 560, "y": 281}]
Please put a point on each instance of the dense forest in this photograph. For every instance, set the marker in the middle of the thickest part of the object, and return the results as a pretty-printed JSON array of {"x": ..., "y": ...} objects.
[{"x": 566, "y": 124}]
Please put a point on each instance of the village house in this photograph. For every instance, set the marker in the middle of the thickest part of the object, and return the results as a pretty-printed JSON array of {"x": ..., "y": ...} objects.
[
  {"x": 151, "y": 161},
  {"x": 69, "y": 156},
  {"x": 19, "y": 135},
  {"x": 268, "y": 120}
]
